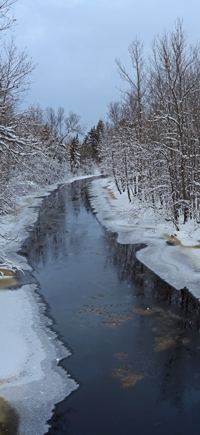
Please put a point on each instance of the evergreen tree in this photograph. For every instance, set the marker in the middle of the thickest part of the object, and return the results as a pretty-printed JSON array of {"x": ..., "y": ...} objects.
[
  {"x": 74, "y": 154},
  {"x": 93, "y": 139}
]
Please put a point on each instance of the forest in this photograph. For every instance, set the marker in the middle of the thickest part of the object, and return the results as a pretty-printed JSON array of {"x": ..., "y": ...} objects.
[
  {"x": 36, "y": 145},
  {"x": 149, "y": 143}
]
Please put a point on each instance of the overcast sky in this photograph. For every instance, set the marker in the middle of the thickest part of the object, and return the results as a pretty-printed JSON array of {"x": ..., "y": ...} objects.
[{"x": 75, "y": 43}]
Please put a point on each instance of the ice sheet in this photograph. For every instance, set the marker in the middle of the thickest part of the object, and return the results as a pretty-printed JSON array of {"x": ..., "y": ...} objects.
[
  {"x": 178, "y": 265},
  {"x": 30, "y": 378},
  {"x": 30, "y": 381}
]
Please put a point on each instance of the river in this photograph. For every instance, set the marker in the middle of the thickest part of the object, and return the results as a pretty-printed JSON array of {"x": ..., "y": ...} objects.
[{"x": 134, "y": 339}]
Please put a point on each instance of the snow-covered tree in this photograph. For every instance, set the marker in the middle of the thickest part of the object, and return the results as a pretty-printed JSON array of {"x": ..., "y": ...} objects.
[
  {"x": 60, "y": 120},
  {"x": 173, "y": 88},
  {"x": 74, "y": 154},
  {"x": 135, "y": 96},
  {"x": 152, "y": 145}
]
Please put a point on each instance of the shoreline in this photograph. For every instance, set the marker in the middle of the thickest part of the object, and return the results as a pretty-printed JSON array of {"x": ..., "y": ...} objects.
[
  {"x": 172, "y": 255},
  {"x": 30, "y": 378},
  {"x": 30, "y": 349}
]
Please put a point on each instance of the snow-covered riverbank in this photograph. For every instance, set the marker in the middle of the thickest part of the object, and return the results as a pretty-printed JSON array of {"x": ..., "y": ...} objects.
[
  {"x": 177, "y": 262},
  {"x": 30, "y": 379}
]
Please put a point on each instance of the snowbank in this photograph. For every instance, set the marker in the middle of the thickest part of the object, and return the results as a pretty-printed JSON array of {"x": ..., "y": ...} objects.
[
  {"x": 174, "y": 256},
  {"x": 30, "y": 379}
]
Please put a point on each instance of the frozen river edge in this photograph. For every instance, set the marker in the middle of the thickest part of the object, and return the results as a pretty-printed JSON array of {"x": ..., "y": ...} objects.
[
  {"x": 178, "y": 265},
  {"x": 30, "y": 378}
]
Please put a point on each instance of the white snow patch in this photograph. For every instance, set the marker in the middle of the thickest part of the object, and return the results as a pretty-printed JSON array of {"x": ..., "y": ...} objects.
[
  {"x": 30, "y": 379},
  {"x": 178, "y": 265}
]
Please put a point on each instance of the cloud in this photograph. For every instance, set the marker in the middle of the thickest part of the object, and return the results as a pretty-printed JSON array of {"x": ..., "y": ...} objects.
[{"x": 75, "y": 43}]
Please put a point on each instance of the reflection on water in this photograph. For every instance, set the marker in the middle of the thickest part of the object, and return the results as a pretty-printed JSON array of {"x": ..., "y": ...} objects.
[
  {"x": 166, "y": 330},
  {"x": 113, "y": 314},
  {"x": 50, "y": 238},
  {"x": 9, "y": 421},
  {"x": 127, "y": 377},
  {"x": 108, "y": 305},
  {"x": 150, "y": 285},
  {"x": 121, "y": 355}
]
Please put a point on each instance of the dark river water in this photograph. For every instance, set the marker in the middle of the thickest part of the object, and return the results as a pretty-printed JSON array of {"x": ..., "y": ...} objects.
[{"x": 135, "y": 340}]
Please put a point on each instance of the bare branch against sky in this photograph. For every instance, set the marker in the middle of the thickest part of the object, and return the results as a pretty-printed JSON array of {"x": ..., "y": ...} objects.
[{"x": 75, "y": 43}]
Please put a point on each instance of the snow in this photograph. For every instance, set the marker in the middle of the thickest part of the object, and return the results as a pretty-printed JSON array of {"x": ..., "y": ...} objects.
[
  {"x": 30, "y": 379},
  {"x": 177, "y": 264}
]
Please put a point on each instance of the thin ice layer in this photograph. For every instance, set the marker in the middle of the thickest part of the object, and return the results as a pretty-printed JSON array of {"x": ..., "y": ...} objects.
[
  {"x": 30, "y": 379},
  {"x": 178, "y": 265}
]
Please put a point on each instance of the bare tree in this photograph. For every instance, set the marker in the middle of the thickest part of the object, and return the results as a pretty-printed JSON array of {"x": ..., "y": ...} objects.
[
  {"x": 71, "y": 126},
  {"x": 153, "y": 143},
  {"x": 137, "y": 83},
  {"x": 15, "y": 71},
  {"x": 174, "y": 83},
  {"x": 60, "y": 119},
  {"x": 114, "y": 112},
  {"x": 51, "y": 120},
  {"x": 5, "y": 21}
]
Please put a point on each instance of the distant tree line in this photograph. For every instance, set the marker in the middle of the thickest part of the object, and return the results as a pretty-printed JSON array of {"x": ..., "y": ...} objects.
[
  {"x": 151, "y": 144},
  {"x": 36, "y": 145}
]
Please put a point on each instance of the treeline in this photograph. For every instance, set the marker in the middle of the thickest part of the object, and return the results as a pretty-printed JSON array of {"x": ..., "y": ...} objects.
[
  {"x": 64, "y": 137},
  {"x": 37, "y": 145},
  {"x": 151, "y": 145}
]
